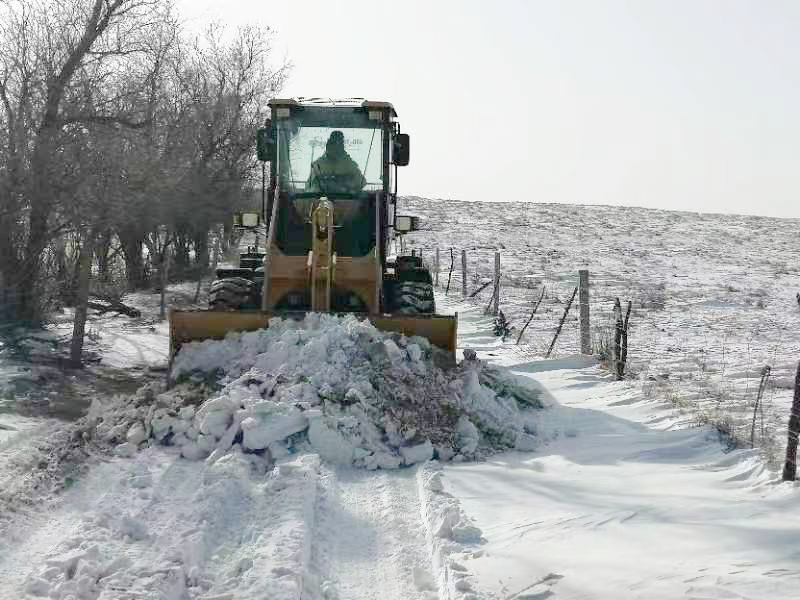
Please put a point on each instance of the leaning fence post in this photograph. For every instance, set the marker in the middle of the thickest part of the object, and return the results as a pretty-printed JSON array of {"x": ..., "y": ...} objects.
[
  {"x": 583, "y": 289},
  {"x": 528, "y": 322},
  {"x": 479, "y": 290},
  {"x": 561, "y": 323},
  {"x": 464, "y": 273},
  {"x": 496, "y": 282},
  {"x": 761, "y": 388},
  {"x": 436, "y": 268},
  {"x": 624, "y": 341}
]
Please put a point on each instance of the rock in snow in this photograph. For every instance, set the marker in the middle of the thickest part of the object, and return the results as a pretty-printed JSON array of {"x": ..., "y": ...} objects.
[
  {"x": 336, "y": 384},
  {"x": 136, "y": 434}
]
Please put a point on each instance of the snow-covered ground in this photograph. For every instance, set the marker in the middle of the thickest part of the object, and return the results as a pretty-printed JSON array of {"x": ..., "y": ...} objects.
[
  {"x": 621, "y": 500},
  {"x": 122, "y": 353},
  {"x": 622, "y": 495},
  {"x": 713, "y": 296}
]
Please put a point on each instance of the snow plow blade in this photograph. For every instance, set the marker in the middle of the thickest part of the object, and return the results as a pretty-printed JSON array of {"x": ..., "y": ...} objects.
[{"x": 197, "y": 325}]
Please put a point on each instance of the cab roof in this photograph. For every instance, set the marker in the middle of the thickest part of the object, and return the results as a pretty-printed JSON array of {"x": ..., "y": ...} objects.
[{"x": 335, "y": 103}]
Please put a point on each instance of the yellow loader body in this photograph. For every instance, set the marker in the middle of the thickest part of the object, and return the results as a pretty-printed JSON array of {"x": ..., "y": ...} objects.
[{"x": 329, "y": 231}]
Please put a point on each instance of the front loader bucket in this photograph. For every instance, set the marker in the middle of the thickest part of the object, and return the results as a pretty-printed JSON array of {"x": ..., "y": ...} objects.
[
  {"x": 440, "y": 330},
  {"x": 197, "y": 325}
]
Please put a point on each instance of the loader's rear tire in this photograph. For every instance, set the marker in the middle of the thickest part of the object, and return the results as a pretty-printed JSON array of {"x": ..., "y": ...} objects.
[
  {"x": 232, "y": 293},
  {"x": 414, "y": 298}
]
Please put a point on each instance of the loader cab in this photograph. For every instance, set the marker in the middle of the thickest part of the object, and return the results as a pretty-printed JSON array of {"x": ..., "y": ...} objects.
[{"x": 342, "y": 151}]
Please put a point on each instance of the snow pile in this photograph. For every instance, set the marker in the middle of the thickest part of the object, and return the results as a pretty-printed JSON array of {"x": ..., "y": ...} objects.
[{"x": 352, "y": 393}]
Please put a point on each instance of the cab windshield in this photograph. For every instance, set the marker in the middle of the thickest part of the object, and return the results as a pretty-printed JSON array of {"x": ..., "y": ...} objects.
[{"x": 341, "y": 156}]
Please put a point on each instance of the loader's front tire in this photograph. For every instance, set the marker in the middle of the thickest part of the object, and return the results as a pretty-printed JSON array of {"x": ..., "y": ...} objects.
[
  {"x": 231, "y": 293},
  {"x": 414, "y": 298}
]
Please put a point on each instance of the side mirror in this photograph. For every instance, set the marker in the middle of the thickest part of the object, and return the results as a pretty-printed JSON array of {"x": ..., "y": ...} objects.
[
  {"x": 246, "y": 220},
  {"x": 403, "y": 224},
  {"x": 402, "y": 149},
  {"x": 265, "y": 143}
]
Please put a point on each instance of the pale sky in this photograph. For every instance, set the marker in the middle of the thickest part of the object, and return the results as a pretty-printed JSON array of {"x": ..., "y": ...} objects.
[{"x": 673, "y": 104}]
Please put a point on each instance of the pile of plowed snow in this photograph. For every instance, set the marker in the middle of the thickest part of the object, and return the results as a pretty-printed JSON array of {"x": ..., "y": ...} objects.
[{"x": 332, "y": 384}]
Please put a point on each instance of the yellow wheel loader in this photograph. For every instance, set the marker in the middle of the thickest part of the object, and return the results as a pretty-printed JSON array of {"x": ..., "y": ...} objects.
[{"x": 328, "y": 204}]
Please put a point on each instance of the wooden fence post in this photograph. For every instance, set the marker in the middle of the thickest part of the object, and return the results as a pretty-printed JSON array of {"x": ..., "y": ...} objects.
[
  {"x": 616, "y": 349},
  {"x": 790, "y": 466},
  {"x": 583, "y": 289},
  {"x": 620, "y": 348},
  {"x": 496, "y": 282},
  {"x": 450, "y": 274},
  {"x": 624, "y": 345},
  {"x": 436, "y": 268},
  {"x": 464, "y": 273}
]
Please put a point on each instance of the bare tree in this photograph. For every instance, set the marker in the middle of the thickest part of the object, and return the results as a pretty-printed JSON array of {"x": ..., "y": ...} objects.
[
  {"x": 209, "y": 100},
  {"x": 119, "y": 136},
  {"x": 82, "y": 299},
  {"x": 54, "y": 56}
]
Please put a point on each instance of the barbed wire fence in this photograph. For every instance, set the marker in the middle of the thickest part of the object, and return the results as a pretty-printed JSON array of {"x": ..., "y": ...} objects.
[{"x": 678, "y": 352}]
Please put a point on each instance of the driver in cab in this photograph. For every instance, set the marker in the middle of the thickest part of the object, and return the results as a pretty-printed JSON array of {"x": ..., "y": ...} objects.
[{"x": 335, "y": 172}]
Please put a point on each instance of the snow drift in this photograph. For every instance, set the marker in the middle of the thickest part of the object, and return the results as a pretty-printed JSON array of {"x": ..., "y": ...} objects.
[{"x": 332, "y": 384}]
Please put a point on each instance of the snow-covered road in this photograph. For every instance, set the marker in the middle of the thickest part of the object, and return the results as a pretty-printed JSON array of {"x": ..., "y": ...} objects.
[
  {"x": 620, "y": 500},
  {"x": 369, "y": 541},
  {"x": 158, "y": 526}
]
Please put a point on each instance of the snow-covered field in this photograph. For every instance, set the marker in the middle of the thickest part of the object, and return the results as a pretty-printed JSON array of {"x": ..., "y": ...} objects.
[
  {"x": 616, "y": 495},
  {"x": 714, "y": 296}
]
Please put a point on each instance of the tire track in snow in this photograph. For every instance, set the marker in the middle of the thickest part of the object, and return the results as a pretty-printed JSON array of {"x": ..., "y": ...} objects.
[{"x": 368, "y": 540}]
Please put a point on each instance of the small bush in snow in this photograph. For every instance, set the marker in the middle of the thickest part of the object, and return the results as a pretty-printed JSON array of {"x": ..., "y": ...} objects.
[
  {"x": 502, "y": 326},
  {"x": 602, "y": 339},
  {"x": 654, "y": 297}
]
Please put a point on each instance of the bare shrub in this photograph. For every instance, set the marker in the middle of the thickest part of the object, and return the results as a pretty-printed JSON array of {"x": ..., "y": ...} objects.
[
  {"x": 112, "y": 289},
  {"x": 602, "y": 340},
  {"x": 502, "y": 326},
  {"x": 654, "y": 297}
]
